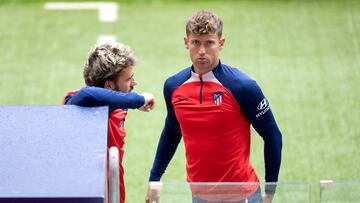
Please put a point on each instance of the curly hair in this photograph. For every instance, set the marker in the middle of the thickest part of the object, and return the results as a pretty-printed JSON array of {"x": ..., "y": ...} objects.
[
  {"x": 204, "y": 22},
  {"x": 105, "y": 62}
]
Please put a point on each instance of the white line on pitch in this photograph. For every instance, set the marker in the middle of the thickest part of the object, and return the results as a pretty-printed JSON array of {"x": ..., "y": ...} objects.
[
  {"x": 106, "y": 38},
  {"x": 107, "y": 11}
]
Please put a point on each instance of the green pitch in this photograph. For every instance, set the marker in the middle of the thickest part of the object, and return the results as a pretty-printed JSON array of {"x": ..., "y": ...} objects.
[{"x": 304, "y": 54}]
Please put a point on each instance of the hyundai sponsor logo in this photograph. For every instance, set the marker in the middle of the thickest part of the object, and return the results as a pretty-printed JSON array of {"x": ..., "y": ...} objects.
[
  {"x": 263, "y": 104},
  {"x": 263, "y": 107}
]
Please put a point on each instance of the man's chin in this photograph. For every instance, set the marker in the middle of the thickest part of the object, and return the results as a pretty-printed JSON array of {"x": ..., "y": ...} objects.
[{"x": 203, "y": 64}]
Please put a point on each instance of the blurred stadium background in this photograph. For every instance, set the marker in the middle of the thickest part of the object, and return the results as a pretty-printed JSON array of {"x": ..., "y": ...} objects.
[{"x": 304, "y": 54}]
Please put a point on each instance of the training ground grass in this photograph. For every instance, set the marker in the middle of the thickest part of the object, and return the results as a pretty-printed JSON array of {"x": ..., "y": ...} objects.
[{"x": 305, "y": 55}]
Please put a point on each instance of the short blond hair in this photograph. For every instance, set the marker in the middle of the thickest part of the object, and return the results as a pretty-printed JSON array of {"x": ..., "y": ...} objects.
[
  {"x": 204, "y": 22},
  {"x": 105, "y": 62}
]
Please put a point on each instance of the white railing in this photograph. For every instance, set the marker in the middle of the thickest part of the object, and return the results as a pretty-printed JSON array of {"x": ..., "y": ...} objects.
[{"x": 114, "y": 185}]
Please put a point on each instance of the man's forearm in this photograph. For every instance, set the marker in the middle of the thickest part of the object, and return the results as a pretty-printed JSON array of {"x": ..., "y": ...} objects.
[{"x": 95, "y": 96}]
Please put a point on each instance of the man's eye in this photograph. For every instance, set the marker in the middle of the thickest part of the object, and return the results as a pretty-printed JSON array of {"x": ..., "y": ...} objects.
[
  {"x": 210, "y": 43},
  {"x": 195, "y": 42}
]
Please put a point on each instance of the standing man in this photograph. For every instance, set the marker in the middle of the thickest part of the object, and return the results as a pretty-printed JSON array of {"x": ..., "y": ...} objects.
[
  {"x": 211, "y": 106},
  {"x": 109, "y": 76}
]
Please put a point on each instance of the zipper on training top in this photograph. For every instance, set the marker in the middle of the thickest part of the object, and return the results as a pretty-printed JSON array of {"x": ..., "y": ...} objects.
[{"x": 201, "y": 86}]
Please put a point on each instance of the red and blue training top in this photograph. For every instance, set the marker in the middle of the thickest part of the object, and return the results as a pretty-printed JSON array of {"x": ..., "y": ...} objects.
[
  {"x": 118, "y": 104},
  {"x": 213, "y": 113}
]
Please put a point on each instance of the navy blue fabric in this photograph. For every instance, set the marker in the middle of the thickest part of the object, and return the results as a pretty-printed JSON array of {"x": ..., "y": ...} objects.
[
  {"x": 249, "y": 95},
  {"x": 96, "y": 96}
]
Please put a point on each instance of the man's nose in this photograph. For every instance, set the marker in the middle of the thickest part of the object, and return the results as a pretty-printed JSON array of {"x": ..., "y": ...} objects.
[
  {"x": 134, "y": 82},
  {"x": 202, "y": 50}
]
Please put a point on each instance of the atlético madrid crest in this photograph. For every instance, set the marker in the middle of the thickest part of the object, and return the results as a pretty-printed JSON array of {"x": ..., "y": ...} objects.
[{"x": 218, "y": 98}]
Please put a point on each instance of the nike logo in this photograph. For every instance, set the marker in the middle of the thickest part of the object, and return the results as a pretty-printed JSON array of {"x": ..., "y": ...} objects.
[{"x": 183, "y": 98}]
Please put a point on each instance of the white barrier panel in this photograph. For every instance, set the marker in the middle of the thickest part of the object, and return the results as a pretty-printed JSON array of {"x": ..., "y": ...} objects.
[{"x": 53, "y": 154}]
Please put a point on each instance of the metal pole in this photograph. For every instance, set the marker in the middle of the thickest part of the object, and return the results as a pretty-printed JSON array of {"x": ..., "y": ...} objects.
[{"x": 114, "y": 185}]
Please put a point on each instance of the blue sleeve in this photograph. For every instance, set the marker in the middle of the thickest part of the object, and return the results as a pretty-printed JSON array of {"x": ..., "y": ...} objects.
[
  {"x": 96, "y": 96},
  {"x": 169, "y": 139},
  {"x": 257, "y": 109}
]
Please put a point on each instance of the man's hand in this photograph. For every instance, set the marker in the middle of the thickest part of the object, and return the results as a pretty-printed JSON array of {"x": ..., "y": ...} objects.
[
  {"x": 153, "y": 195},
  {"x": 149, "y": 103},
  {"x": 268, "y": 198}
]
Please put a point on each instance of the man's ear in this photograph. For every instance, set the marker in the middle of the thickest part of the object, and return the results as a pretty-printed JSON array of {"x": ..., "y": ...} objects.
[
  {"x": 109, "y": 85},
  {"x": 186, "y": 40},
  {"x": 222, "y": 43}
]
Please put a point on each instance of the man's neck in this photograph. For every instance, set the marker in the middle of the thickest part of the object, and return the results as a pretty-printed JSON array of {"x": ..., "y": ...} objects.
[{"x": 204, "y": 71}]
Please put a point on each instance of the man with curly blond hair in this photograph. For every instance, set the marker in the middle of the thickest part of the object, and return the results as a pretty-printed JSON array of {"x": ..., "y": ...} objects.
[
  {"x": 212, "y": 106},
  {"x": 109, "y": 76}
]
